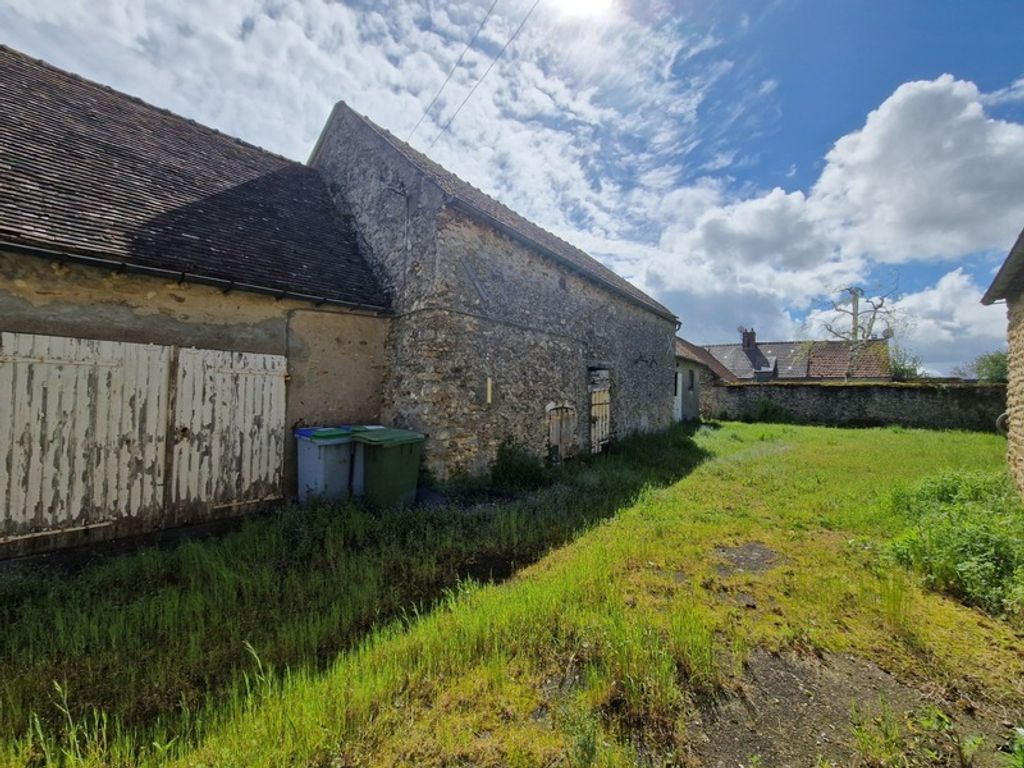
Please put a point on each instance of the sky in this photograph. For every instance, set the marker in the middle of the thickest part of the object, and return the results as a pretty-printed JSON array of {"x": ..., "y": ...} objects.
[{"x": 740, "y": 160}]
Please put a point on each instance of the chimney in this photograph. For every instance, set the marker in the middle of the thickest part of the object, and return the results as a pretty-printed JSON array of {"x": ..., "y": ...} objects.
[{"x": 749, "y": 339}]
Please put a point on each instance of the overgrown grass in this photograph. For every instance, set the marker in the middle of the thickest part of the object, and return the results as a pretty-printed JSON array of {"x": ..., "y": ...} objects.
[
  {"x": 602, "y": 652},
  {"x": 143, "y": 649},
  {"x": 966, "y": 537}
]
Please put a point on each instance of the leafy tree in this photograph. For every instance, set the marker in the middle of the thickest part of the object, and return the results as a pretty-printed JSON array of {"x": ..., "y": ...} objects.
[
  {"x": 904, "y": 364},
  {"x": 992, "y": 366}
]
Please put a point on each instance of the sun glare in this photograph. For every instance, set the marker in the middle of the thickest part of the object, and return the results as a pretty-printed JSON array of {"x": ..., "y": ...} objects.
[{"x": 583, "y": 8}]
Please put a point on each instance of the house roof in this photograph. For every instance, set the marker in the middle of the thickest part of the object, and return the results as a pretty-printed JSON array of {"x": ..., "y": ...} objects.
[
  {"x": 486, "y": 208},
  {"x": 90, "y": 172},
  {"x": 699, "y": 355},
  {"x": 805, "y": 359},
  {"x": 787, "y": 358},
  {"x": 1009, "y": 280},
  {"x": 831, "y": 360}
]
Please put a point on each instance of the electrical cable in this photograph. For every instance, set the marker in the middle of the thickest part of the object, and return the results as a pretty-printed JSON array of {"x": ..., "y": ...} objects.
[
  {"x": 486, "y": 72},
  {"x": 452, "y": 72}
]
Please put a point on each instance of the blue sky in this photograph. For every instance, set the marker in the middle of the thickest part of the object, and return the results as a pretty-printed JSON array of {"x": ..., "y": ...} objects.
[{"x": 738, "y": 160}]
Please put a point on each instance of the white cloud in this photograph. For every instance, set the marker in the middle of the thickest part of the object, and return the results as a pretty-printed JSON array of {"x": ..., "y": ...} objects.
[
  {"x": 598, "y": 130},
  {"x": 929, "y": 176},
  {"x": 950, "y": 325}
]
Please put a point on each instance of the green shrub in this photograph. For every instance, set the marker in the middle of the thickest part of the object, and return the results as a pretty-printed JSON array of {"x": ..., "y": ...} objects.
[
  {"x": 966, "y": 537},
  {"x": 516, "y": 469}
]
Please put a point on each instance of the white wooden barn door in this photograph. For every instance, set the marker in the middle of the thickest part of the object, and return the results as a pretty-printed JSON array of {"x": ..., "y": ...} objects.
[
  {"x": 228, "y": 427},
  {"x": 82, "y": 431},
  {"x": 89, "y": 430}
]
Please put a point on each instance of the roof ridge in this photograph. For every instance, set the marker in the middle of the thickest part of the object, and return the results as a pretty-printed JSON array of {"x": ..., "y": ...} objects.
[
  {"x": 791, "y": 341},
  {"x": 147, "y": 105}
]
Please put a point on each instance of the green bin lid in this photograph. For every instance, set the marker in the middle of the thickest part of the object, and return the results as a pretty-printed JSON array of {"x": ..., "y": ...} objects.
[{"x": 387, "y": 437}]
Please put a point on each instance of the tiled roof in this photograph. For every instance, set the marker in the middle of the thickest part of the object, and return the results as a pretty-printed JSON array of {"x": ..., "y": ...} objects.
[
  {"x": 489, "y": 209},
  {"x": 1009, "y": 281},
  {"x": 701, "y": 356},
  {"x": 90, "y": 171},
  {"x": 805, "y": 359},
  {"x": 831, "y": 360}
]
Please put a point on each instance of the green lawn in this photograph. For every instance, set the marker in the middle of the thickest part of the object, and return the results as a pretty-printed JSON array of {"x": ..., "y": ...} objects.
[{"x": 608, "y": 651}]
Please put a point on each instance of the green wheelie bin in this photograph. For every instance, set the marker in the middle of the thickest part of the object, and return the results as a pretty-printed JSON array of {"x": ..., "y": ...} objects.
[{"x": 387, "y": 465}]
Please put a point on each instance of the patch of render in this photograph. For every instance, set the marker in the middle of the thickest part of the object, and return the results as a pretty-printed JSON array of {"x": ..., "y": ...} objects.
[{"x": 45, "y": 297}]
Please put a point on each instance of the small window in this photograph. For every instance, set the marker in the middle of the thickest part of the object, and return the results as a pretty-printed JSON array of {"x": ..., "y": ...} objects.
[
  {"x": 562, "y": 283},
  {"x": 675, "y": 384},
  {"x": 691, "y": 380}
]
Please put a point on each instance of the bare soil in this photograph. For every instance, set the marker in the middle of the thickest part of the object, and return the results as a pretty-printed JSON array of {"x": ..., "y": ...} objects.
[
  {"x": 795, "y": 711},
  {"x": 752, "y": 557}
]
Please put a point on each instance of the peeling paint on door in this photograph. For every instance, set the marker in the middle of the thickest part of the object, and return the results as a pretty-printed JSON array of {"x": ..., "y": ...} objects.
[{"x": 85, "y": 430}]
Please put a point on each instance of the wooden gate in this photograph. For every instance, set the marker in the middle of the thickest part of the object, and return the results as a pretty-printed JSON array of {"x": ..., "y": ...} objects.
[
  {"x": 600, "y": 409},
  {"x": 95, "y": 432},
  {"x": 561, "y": 431}
]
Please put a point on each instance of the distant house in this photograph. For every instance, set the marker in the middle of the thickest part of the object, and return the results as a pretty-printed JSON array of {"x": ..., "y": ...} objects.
[
  {"x": 751, "y": 360},
  {"x": 696, "y": 372},
  {"x": 173, "y": 301},
  {"x": 1008, "y": 286}
]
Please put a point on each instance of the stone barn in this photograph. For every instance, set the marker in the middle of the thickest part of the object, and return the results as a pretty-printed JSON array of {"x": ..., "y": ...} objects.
[
  {"x": 174, "y": 301},
  {"x": 500, "y": 330},
  {"x": 1008, "y": 286}
]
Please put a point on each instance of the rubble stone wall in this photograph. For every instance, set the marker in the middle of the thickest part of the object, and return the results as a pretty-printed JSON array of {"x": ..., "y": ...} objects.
[
  {"x": 910, "y": 404},
  {"x": 1015, "y": 390}
]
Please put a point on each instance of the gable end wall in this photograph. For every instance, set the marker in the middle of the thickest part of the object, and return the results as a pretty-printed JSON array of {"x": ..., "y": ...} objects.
[{"x": 472, "y": 304}]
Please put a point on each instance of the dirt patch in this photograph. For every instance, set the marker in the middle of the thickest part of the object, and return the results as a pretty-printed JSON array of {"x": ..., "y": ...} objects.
[
  {"x": 794, "y": 711},
  {"x": 752, "y": 557}
]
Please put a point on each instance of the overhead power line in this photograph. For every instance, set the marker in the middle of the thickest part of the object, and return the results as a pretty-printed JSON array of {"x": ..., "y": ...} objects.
[
  {"x": 452, "y": 72},
  {"x": 486, "y": 72}
]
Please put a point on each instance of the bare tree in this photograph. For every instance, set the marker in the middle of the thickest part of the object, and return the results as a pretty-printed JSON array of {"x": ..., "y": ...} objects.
[{"x": 858, "y": 318}]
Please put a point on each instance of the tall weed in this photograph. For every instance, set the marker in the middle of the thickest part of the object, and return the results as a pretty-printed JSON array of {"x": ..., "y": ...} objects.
[{"x": 965, "y": 536}]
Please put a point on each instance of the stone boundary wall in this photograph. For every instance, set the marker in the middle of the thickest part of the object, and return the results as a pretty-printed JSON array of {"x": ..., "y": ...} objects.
[{"x": 908, "y": 404}]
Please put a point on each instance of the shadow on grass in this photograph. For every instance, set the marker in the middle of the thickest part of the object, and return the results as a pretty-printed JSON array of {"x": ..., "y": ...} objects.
[{"x": 155, "y": 637}]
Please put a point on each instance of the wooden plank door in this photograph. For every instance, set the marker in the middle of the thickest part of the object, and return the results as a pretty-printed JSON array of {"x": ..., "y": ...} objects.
[
  {"x": 229, "y": 427},
  {"x": 600, "y": 410},
  {"x": 82, "y": 431}
]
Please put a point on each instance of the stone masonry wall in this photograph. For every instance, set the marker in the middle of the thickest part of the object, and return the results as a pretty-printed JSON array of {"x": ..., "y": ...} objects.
[
  {"x": 706, "y": 394},
  {"x": 535, "y": 329},
  {"x": 1015, "y": 390},
  {"x": 935, "y": 406},
  {"x": 472, "y": 304}
]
